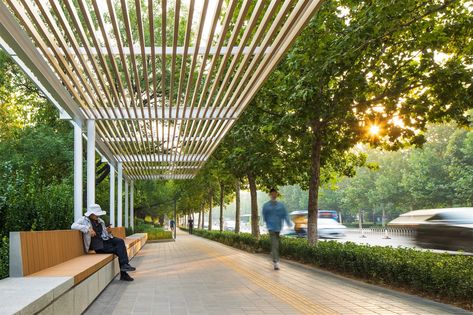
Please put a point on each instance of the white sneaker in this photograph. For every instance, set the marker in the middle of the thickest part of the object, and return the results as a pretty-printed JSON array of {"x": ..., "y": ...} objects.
[{"x": 276, "y": 266}]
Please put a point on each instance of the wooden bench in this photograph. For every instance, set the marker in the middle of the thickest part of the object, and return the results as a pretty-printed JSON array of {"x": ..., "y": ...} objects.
[{"x": 58, "y": 255}]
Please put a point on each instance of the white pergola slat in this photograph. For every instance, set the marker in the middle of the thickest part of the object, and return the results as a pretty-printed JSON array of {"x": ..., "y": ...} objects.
[
  {"x": 159, "y": 50},
  {"x": 134, "y": 139},
  {"x": 165, "y": 80},
  {"x": 157, "y": 113},
  {"x": 168, "y": 158}
]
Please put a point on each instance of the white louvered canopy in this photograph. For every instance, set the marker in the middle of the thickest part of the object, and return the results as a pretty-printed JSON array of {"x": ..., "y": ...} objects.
[{"x": 163, "y": 80}]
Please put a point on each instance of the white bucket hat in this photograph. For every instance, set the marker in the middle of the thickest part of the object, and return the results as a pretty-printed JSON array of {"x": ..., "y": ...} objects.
[{"x": 95, "y": 209}]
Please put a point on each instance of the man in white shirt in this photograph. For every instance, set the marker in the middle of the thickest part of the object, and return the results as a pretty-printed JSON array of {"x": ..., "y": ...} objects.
[{"x": 99, "y": 238}]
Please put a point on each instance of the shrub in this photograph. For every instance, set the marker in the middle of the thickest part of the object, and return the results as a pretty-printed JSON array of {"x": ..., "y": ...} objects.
[
  {"x": 4, "y": 249},
  {"x": 159, "y": 234},
  {"x": 439, "y": 274},
  {"x": 129, "y": 231},
  {"x": 154, "y": 233},
  {"x": 143, "y": 227}
]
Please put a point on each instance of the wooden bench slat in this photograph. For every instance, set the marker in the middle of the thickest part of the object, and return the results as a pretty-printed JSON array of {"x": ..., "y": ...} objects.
[
  {"x": 37, "y": 249},
  {"x": 79, "y": 267},
  {"x": 61, "y": 253},
  {"x": 44, "y": 249}
]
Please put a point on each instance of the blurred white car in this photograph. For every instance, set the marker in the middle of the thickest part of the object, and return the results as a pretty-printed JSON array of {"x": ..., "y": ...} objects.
[
  {"x": 326, "y": 228},
  {"x": 229, "y": 225},
  {"x": 329, "y": 228}
]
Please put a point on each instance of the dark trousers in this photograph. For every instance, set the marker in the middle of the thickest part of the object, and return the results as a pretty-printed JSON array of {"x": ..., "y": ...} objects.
[
  {"x": 115, "y": 246},
  {"x": 191, "y": 227},
  {"x": 274, "y": 245}
]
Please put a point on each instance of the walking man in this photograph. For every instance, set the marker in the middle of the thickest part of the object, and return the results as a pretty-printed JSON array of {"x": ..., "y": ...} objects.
[
  {"x": 274, "y": 213},
  {"x": 191, "y": 225}
]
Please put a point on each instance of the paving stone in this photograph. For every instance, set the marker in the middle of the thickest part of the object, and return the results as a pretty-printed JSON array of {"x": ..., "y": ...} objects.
[{"x": 199, "y": 277}]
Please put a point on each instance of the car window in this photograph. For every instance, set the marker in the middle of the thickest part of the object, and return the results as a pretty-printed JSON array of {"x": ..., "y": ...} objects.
[
  {"x": 460, "y": 217},
  {"x": 436, "y": 217}
]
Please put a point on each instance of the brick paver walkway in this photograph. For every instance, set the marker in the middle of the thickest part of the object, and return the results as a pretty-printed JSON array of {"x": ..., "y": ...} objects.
[{"x": 197, "y": 276}]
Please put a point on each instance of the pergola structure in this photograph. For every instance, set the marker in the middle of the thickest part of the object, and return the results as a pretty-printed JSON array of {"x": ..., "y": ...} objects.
[{"x": 156, "y": 84}]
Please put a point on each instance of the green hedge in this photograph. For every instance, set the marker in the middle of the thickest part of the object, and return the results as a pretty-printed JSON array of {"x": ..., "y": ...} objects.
[
  {"x": 159, "y": 234},
  {"x": 4, "y": 250},
  {"x": 154, "y": 233},
  {"x": 440, "y": 275}
]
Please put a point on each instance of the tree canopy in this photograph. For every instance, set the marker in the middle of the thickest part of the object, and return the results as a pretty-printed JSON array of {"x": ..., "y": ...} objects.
[{"x": 373, "y": 72}]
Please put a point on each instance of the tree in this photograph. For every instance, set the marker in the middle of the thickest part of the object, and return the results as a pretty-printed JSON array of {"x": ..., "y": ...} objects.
[
  {"x": 438, "y": 175},
  {"x": 364, "y": 63},
  {"x": 35, "y": 157},
  {"x": 257, "y": 150},
  {"x": 237, "y": 205}
]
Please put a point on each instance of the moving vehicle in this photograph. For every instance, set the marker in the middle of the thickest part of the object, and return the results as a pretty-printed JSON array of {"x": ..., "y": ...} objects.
[
  {"x": 245, "y": 223},
  {"x": 327, "y": 224},
  {"x": 329, "y": 228},
  {"x": 413, "y": 219},
  {"x": 325, "y": 214},
  {"x": 450, "y": 229},
  {"x": 229, "y": 225}
]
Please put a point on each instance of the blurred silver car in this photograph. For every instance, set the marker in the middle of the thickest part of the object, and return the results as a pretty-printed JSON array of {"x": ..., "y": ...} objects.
[
  {"x": 329, "y": 228},
  {"x": 326, "y": 228},
  {"x": 450, "y": 229}
]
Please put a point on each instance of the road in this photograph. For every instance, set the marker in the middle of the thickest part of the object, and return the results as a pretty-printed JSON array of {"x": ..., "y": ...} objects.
[{"x": 377, "y": 238}]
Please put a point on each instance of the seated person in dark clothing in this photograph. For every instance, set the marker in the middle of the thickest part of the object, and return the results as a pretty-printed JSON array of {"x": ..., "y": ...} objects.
[{"x": 98, "y": 237}]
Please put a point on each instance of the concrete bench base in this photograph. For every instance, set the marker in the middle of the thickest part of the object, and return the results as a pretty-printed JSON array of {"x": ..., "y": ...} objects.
[
  {"x": 54, "y": 295},
  {"x": 45, "y": 294},
  {"x": 17, "y": 294},
  {"x": 79, "y": 297}
]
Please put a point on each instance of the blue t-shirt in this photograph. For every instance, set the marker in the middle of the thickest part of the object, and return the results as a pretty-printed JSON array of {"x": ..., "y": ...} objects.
[{"x": 274, "y": 213}]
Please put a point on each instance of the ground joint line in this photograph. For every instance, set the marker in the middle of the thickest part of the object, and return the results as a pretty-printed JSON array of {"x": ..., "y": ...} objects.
[{"x": 297, "y": 301}]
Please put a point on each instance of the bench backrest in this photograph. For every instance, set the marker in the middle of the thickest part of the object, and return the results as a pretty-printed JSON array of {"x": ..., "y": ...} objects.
[
  {"x": 119, "y": 232},
  {"x": 31, "y": 252}
]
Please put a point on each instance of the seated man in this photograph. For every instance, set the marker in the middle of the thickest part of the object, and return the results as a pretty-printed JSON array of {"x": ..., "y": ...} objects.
[{"x": 98, "y": 237}]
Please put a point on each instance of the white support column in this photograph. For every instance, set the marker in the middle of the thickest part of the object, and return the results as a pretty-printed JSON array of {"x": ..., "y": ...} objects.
[
  {"x": 77, "y": 172},
  {"x": 90, "y": 162},
  {"x": 132, "y": 210},
  {"x": 112, "y": 194},
  {"x": 127, "y": 205},
  {"x": 120, "y": 195}
]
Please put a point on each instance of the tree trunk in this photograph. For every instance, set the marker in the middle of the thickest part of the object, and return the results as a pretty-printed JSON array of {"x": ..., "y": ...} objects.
[
  {"x": 314, "y": 185},
  {"x": 237, "y": 206},
  {"x": 210, "y": 211},
  {"x": 222, "y": 188},
  {"x": 203, "y": 218},
  {"x": 254, "y": 206},
  {"x": 198, "y": 222}
]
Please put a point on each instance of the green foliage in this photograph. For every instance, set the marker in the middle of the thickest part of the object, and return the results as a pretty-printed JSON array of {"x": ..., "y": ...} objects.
[
  {"x": 440, "y": 275},
  {"x": 129, "y": 231},
  {"x": 35, "y": 181},
  {"x": 154, "y": 233},
  {"x": 4, "y": 257},
  {"x": 158, "y": 234},
  {"x": 436, "y": 176},
  {"x": 360, "y": 63}
]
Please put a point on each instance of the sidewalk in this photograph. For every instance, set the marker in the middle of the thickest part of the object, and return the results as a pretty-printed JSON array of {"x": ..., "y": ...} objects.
[{"x": 197, "y": 276}]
